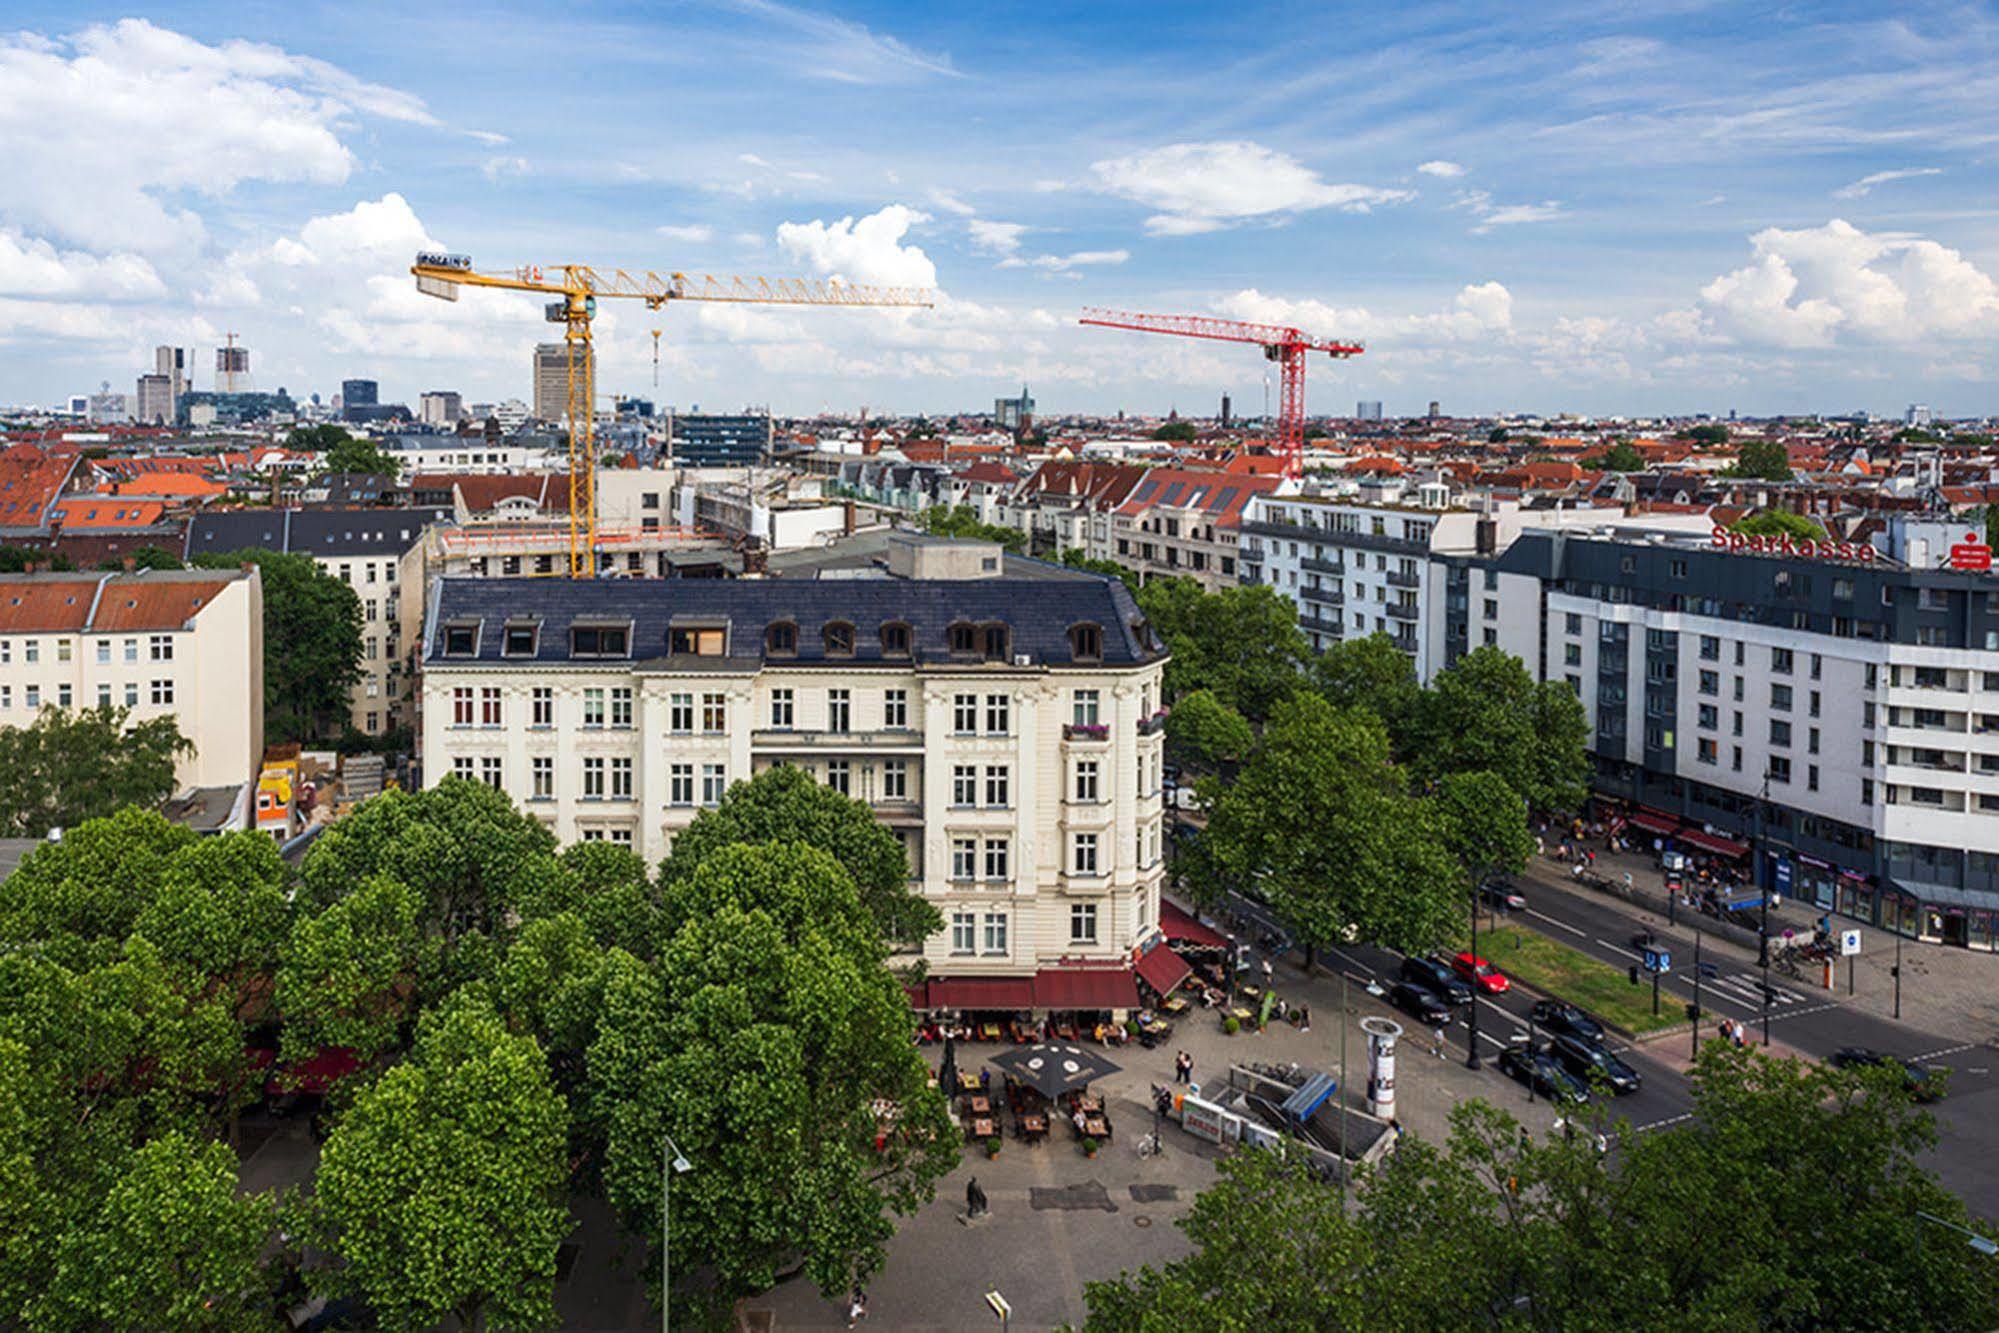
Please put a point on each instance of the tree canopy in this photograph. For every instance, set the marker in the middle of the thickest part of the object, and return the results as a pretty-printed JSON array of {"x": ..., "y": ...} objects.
[
  {"x": 1075, "y": 559},
  {"x": 1176, "y": 432},
  {"x": 317, "y": 439},
  {"x": 69, "y": 766},
  {"x": 1486, "y": 713},
  {"x": 1619, "y": 457},
  {"x": 964, "y": 521},
  {"x": 1708, "y": 433},
  {"x": 1792, "y": 1199},
  {"x": 1203, "y": 733},
  {"x": 312, "y": 643},
  {"x": 1241, "y": 643},
  {"x": 1370, "y": 673},
  {"x": 1779, "y": 523},
  {"x": 1760, "y": 460}
]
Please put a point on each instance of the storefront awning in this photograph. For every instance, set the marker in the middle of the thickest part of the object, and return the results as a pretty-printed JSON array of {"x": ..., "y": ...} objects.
[
  {"x": 1084, "y": 988},
  {"x": 1664, "y": 825},
  {"x": 1163, "y": 970},
  {"x": 1712, "y": 842},
  {"x": 980, "y": 993},
  {"x": 1179, "y": 924}
]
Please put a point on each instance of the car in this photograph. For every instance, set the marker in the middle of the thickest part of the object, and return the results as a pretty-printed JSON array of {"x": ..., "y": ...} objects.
[
  {"x": 1591, "y": 1061},
  {"x": 1503, "y": 893},
  {"x": 1559, "y": 1018},
  {"x": 1420, "y": 1002},
  {"x": 1542, "y": 1072},
  {"x": 1476, "y": 971},
  {"x": 1433, "y": 975},
  {"x": 1918, "y": 1079}
]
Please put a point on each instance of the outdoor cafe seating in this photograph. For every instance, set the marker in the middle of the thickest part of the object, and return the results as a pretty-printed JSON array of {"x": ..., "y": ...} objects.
[{"x": 1087, "y": 1116}]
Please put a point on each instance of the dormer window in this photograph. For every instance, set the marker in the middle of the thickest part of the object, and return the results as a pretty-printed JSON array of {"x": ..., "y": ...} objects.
[
  {"x": 839, "y": 639},
  {"x": 895, "y": 639},
  {"x": 522, "y": 638},
  {"x": 461, "y": 638},
  {"x": 963, "y": 639},
  {"x": 600, "y": 640},
  {"x": 698, "y": 640},
  {"x": 781, "y": 639},
  {"x": 997, "y": 641},
  {"x": 1086, "y": 642}
]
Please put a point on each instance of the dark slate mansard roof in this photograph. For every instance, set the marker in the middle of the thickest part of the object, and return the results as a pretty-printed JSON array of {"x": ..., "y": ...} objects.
[
  {"x": 317, "y": 532},
  {"x": 1037, "y": 613}
]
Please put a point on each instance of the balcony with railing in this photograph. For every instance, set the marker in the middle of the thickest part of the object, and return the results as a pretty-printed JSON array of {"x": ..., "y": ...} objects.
[
  {"x": 1152, "y": 726},
  {"x": 1086, "y": 731},
  {"x": 1322, "y": 624},
  {"x": 1325, "y": 596},
  {"x": 1402, "y": 610},
  {"x": 891, "y": 740},
  {"x": 1402, "y": 579},
  {"x": 1321, "y": 566}
]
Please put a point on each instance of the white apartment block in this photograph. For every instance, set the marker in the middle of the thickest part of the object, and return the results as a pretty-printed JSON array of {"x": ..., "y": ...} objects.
[
  {"x": 182, "y": 643},
  {"x": 1007, "y": 729}
]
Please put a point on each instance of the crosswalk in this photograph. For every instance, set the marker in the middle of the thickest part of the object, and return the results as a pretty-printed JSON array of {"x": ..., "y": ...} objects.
[{"x": 1747, "y": 988}]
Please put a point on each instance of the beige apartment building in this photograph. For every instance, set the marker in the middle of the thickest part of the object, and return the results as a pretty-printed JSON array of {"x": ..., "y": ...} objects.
[
  {"x": 1007, "y": 728},
  {"x": 182, "y": 643}
]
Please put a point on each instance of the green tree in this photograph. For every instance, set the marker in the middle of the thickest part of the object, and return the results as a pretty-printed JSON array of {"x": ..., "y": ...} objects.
[
  {"x": 1760, "y": 459},
  {"x": 146, "y": 557},
  {"x": 1779, "y": 523},
  {"x": 1175, "y": 432},
  {"x": 1202, "y": 732},
  {"x": 312, "y": 643},
  {"x": 763, "y": 1043},
  {"x": 69, "y": 766},
  {"x": 1371, "y": 673},
  {"x": 1709, "y": 434},
  {"x": 1486, "y": 713},
  {"x": 1320, "y": 825},
  {"x": 1075, "y": 559},
  {"x": 1484, "y": 826},
  {"x": 964, "y": 521},
  {"x": 172, "y": 1246},
  {"x": 348, "y": 974},
  {"x": 16, "y": 559},
  {"x": 1494, "y": 1228},
  {"x": 357, "y": 455},
  {"x": 1498, "y": 435},
  {"x": 316, "y": 439},
  {"x": 441, "y": 1188},
  {"x": 1242, "y": 643},
  {"x": 91, "y": 887},
  {"x": 1620, "y": 457},
  {"x": 782, "y": 804}
]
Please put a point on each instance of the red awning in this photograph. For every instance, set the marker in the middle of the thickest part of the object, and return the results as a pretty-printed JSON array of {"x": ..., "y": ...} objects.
[
  {"x": 1179, "y": 924},
  {"x": 1713, "y": 842},
  {"x": 1084, "y": 988},
  {"x": 1651, "y": 823},
  {"x": 980, "y": 993},
  {"x": 1163, "y": 969}
]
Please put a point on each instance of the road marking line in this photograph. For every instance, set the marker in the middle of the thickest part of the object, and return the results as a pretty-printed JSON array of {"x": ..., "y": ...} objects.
[
  {"x": 1948, "y": 1050},
  {"x": 1559, "y": 925},
  {"x": 1669, "y": 1120}
]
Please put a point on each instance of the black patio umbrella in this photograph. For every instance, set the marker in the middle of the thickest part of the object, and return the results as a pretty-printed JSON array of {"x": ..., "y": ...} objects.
[
  {"x": 947, "y": 1072},
  {"x": 1053, "y": 1068}
]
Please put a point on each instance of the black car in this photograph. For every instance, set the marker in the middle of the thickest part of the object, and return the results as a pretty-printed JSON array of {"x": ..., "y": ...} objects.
[
  {"x": 1420, "y": 1002},
  {"x": 1504, "y": 894},
  {"x": 1919, "y": 1081},
  {"x": 1544, "y": 1073},
  {"x": 1558, "y": 1019},
  {"x": 1436, "y": 978},
  {"x": 1591, "y": 1061}
]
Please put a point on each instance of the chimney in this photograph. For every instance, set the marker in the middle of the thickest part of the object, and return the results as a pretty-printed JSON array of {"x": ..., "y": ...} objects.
[
  {"x": 849, "y": 519},
  {"x": 756, "y": 560}
]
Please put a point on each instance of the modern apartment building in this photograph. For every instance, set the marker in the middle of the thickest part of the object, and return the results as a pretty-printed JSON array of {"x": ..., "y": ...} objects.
[
  {"x": 365, "y": 548},
  {"x": 182, "y": 643},
  {"x": 1008, "y": 729},
  {"x": 551, "y": 379}
]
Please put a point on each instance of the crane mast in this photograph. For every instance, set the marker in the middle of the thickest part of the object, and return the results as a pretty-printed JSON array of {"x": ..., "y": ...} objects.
[
  {"x": 1286, "y": 346},
  {"x": 577, "y": 287}
]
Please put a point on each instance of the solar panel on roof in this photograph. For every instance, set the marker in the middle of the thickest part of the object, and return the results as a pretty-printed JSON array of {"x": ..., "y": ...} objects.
[
  {"x": 1172, "y": 494},
  {"x": 1145, "y": 491},
  {"x": 1224, "y": 499}
]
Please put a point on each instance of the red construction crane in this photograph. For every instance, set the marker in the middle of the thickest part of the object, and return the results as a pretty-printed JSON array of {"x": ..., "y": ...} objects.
[{"x": 1285, "y": 346}]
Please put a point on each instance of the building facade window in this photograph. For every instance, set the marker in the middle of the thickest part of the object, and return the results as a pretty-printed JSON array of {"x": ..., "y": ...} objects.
[
  {"x": 680, "y": 784},
  {"x": 489, "y": 706},
  {"x": 964, "y": 785},
  {"x": 1083, "y": 858},
  {"x": 997, "y": 856},
  {"x": 1086, "y": 781},
  {"x": 839, "y": 710},
  {"x": 489, "y": 771},
  {"x": 714, "y": 714},
  {"x": 840, "y": 776},
  {"x": 895, "y": 710},
  {"x": 964, "y": 932},
  {"x": 163, "y": 692},
  {"x": 541, "y": 771},
  {"x": 541, "y": 703},
  {"x": 1083, "y": 708},
  {"x": 461, "y": 706},
  {"x": 714, "y": 781},
  {"x": 621, "y": 707},
  {"x": 1082, "y": 923},
  {"x": 780, "y": 710},
  {"x": 999, "y": 714},
  {"x": 621, "y": 779},
  {"x": 964, "y": 858},
  {"x": 593, "y": 779},
  {"x": 995, "y": 932},
  {"x": 965, "y": 714},
  {"x": 999, "y": 786},
  {"x": 895, "y": 780},
  {"x": 680, "y": 714},
  {"x": 593, "y": 708}
]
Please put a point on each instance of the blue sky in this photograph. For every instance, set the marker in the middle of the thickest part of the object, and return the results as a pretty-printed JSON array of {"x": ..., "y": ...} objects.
[{"x": 1605, "y": 207}]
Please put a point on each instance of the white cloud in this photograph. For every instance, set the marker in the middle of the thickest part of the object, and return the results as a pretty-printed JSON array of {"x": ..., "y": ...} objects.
[
  {"x": 1439, "y": 167},
  {"x": 1479, "y": 311},
  {"x": 491, "y": 138},
  {"x": 995, "y": 238},
  {"x": 1815, "y": 285},
  {"x": 752, "y": 160},
  {"x": 1197, "y": 187},
  {"x": 1489, "y": 214},
  {"x": 949, "y": 202},
  {"x": 693, "y": 233},
  {"x": 1063, "y": 263},
  {"x": 1861, "y": 188},
  {"x": 841, "y": 50},
  {"x": 865, "y": 250},
  {"x": 497, "y": 167},
  {"x": 31, "y": 267},
  {"x": 103, "y": 131}
]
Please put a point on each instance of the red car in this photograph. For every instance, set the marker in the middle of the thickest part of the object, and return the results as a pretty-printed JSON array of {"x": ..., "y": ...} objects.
[{"x": 1481, "y": 974}]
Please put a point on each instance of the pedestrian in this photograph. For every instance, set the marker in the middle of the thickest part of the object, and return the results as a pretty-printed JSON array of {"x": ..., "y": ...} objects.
[
  {"x": 857, "y": 1308},
  {"x": 1437, "y": 1037},
  {"x": 1267, "y": 972},
  {"x": 985, "y": 1082},
  {"x": 1183, "y": 1068},
  {"x": 1304, "y": 1018}
]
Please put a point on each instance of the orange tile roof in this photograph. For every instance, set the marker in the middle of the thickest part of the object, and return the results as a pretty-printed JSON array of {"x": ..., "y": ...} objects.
[
  {"x": 100, "y": 511},
  {"x": 30, "y": 478},
  {"x": 54, "y": 604}
]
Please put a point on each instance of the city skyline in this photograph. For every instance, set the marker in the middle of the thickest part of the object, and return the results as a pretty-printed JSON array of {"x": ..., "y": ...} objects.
[{"x": 1568, "y": 210}]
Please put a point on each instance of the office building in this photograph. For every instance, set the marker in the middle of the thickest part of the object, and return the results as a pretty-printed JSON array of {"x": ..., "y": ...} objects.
[
  {"x": 232, "y": 367},
  {"x": 1006, "y": 729},
  {"x": 188, "y": 644},
  {"x": 1367, "y": 409},
  {"x": 106, "y": 406},
  {"x": 359, "y": 393},
  {"x": 440, "y": 408},
  {"x": 704, "y": 440},
  {"x": 1918, "y": 415},
  {"x": 551, "y": 380},
  {"x": 1436, "y": 409},
  {"x": 1225, "y": 411},
  {"x": 1015, "y": 414},
  {"x": 155, "y": 401}
]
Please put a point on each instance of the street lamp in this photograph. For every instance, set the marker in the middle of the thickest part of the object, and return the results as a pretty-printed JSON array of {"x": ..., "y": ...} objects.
[
  {"x": 672, "y": 1163},
  {"x": 1471, "y": 1059},
  {"x": 1985, "y": 1245},
  {"x": 1763, "y": 894}
]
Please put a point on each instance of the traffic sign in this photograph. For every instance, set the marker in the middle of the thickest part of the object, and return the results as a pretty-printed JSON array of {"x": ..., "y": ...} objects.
[
  {"x": 1849, "y": 943},
  {"x": 1658, "y": 960}
]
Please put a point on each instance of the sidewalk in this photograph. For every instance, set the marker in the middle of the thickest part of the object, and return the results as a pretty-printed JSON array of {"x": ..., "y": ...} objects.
[{"x": 1951, "y": 992}]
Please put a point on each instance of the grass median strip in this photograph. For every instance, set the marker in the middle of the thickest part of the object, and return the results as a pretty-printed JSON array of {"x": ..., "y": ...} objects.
[{"x": 1568, "y": 974}]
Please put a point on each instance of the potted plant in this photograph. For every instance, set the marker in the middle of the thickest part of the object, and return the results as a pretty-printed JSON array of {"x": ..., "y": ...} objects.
[
  {"x": 1089, "y": 1147},
  {"x": 1230, "y": 1026},
  {"x": 992, "y": 1146}
]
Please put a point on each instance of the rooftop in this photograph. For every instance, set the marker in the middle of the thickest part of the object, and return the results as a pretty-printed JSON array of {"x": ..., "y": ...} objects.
[{"x": 165, "y": 599}]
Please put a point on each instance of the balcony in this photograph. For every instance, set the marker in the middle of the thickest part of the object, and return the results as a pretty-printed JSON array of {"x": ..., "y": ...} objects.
[
  {"x": 897, "y": 740},
  {"x": 1402, "y": 610},
  {"x": 1314, "y": 563},
  {"x": 1152, "y": 726},
  {"x": 1397, "y": 579},
  {"x": 1086, "y": 731},
  {"x": 1324, "y": 596},
  {"x": 1321, "y": 625},
  {"x": 1406, "y": 642}
]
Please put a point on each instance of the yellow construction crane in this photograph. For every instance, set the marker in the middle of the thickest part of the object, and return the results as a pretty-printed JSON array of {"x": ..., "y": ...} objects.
[{"x": 579, "y": 286}]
